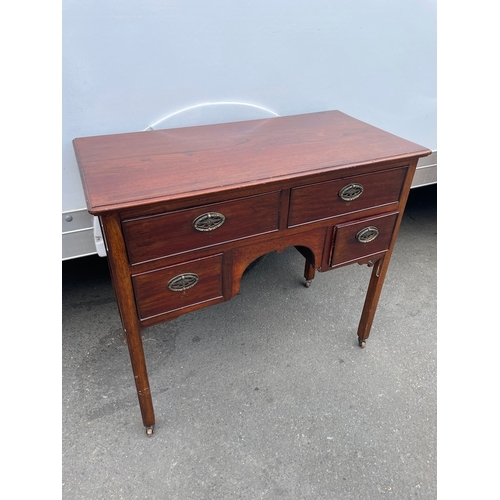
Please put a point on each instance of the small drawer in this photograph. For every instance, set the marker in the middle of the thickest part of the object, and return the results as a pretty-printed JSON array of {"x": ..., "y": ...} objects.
[
  {"x": 176, "y": 287},
  {"x": 152, "y": 237},
  {"x": 343, "y": 196},
  {"x": 362, "y": 238}
]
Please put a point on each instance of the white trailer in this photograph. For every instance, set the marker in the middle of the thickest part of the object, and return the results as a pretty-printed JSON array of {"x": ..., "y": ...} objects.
[{"x": 132, "y": 66}]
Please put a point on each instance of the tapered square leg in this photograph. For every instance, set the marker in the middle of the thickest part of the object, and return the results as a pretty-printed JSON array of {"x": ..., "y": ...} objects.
[{"x": 372, "y": 297}]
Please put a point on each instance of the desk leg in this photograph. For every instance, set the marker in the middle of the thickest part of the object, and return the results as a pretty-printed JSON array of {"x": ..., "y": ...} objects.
[
  {"x": 138, "y": 360},
  {"x": 372, "y": 297},
  {"x": 309, "y": 269},
  {"x": 309, "y": 272},
  {"x": 120, "y": 275}
]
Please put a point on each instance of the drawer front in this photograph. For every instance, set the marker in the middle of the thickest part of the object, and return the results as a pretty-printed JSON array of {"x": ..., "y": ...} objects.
[
  {"x": 152, "y": 237},
  {"x": 338, "y": 197},
  {"x": 362, "y": 238},
  {"x": 176, "y": 287}
]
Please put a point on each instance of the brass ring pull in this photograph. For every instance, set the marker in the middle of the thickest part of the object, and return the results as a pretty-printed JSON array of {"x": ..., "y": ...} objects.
[
  {"x": 183, "y": 282},
  {"x": 208, "y": 221},
  {"x": 351, "y": 191},
  {"x": 367, "y": 234}
]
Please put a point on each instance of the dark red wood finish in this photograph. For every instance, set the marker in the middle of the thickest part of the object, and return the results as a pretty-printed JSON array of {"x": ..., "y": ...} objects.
[
  {"x": 138, "y": 168},
  {"x": 322, "y": 200},
  {"x": 173, "y": 232},
  {"x": 275, "y": 181},
  {"x": 346, "y": 248},
  {"x": 155, "y": 298}
]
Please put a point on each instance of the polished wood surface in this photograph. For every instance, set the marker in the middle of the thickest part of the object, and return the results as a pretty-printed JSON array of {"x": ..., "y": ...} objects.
[
  {"x": 320, "y": 201},
  {"x": 147, "y": 167},
  {"x": 185, "y": 211},
  {"x": 172, "y": 232}
]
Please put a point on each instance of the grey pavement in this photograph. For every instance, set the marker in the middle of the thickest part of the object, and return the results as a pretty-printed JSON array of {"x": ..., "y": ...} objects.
[{"x": 267, "y": 396}]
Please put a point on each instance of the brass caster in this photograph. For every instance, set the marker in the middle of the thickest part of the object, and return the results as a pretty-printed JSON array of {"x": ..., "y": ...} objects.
[
  {"x": 307, "y": 284},
  {"x": 362, "y": 343},
  {"x": 149, "y": 431}
]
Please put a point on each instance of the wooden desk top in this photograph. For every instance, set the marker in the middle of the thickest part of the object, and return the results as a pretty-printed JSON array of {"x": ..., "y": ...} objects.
[{"x": 127, "y": 170}]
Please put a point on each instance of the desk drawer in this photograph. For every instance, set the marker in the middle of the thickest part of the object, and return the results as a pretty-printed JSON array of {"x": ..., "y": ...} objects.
[
  {"x": 338, "y": 197},
  {"x": 170, "y": 233},
  {"x": 362, "y": 238},
  {"x": 176, "y": 287}
]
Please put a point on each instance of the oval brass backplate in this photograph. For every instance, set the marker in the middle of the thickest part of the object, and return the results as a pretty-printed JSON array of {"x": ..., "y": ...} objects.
[
  {"x": 351, "y": 191},
  {"x": 367, "y": 234},
  {"x": 183, "y": 282},
  {"x": 208, "y": 221}
]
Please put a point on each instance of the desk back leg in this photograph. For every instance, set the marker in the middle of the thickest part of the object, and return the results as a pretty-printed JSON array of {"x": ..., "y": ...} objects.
[
  {"x": 309, "y": 269},
  {"x": 309, "y": 272}
]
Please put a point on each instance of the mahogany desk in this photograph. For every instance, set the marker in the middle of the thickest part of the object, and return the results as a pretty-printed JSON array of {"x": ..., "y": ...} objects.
[{"x": 185, "y": 211}]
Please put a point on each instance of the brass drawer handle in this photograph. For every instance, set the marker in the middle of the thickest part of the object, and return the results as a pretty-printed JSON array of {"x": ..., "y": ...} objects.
[
  {"x": 208, "y": 221},
  {"x": 367, "y": 234},
  {"x": 351, "y": 191},
  {"x": 183, "y": 282}
]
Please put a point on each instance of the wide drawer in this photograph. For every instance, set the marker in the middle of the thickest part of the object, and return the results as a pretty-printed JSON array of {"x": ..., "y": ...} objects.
[
  {"x": 176, "y": 287},
  {"x": 170, "y": 233},
  {"x": 333, "y": 198},
  {"x": 362, "y": 238}
]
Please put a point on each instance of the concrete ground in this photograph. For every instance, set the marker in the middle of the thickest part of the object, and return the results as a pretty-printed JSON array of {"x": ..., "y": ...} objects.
[{"x": 267, "y": 396}]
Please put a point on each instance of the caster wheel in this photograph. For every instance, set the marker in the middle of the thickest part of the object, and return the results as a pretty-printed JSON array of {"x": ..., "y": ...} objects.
[
  {"x": 149, "y": 431},
  {"x": 307, "y": 284},
  {"x": 362, "y": 343}
]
